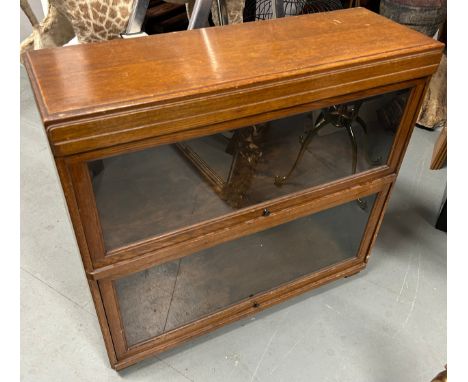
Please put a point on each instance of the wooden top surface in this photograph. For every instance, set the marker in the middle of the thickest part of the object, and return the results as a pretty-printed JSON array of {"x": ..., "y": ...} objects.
[{"x": 78, "y": 81}]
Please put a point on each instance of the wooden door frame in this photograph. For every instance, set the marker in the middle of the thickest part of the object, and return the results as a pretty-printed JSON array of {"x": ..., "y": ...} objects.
[{"x": 105, "y": 263}]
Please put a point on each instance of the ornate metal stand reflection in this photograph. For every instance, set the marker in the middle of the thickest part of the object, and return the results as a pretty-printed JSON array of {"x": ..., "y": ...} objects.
[
  {"x": 340, "y": 116},
  {"x": 246, "y": 148}
]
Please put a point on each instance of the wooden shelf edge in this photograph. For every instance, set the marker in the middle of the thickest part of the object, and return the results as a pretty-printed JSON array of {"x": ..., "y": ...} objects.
[{"x": 178, "y": 250}]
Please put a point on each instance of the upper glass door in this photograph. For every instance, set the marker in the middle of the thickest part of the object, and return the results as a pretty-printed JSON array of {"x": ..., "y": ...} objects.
[{"x": 161, "y": 189}]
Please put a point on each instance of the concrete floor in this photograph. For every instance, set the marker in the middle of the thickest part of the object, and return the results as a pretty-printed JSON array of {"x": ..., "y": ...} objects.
[{"x": 386, "y": 324}]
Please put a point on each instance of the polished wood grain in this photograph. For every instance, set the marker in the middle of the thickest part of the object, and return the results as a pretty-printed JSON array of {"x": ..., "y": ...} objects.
[
  {"x": 235, "y": 120},
  {"x": 100, "y": 95},
  {"x": 86, "y": 79},
  {"x": 107, "y": 99}
]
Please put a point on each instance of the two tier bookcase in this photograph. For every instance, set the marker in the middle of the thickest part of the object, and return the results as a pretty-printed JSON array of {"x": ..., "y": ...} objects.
[{"x": 210, "y": 174}]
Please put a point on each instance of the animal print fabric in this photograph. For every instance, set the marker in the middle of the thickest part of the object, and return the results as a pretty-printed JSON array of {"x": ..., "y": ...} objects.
[{"x": 94, "y": 20}]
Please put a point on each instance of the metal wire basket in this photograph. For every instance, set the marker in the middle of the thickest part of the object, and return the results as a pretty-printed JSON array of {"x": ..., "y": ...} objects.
[{"x": 255, "y": 10}]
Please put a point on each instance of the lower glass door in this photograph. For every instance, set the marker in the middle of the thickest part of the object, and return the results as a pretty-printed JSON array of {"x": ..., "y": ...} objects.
[{"x": 172, "y": 294}]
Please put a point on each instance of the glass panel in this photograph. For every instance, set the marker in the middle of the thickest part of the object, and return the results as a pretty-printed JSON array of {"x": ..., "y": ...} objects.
[
  {"x": 178, "y": 292},
  {"x": 143, "y": 194}
]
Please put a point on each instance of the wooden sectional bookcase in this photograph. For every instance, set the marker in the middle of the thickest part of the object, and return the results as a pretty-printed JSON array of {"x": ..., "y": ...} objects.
[{"x": 210, "y": 174}]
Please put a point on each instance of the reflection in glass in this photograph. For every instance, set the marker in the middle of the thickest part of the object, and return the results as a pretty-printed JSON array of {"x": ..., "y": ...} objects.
[
  {"x": 161, "y": 189},
  {"x": 178, "y": 292}
]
